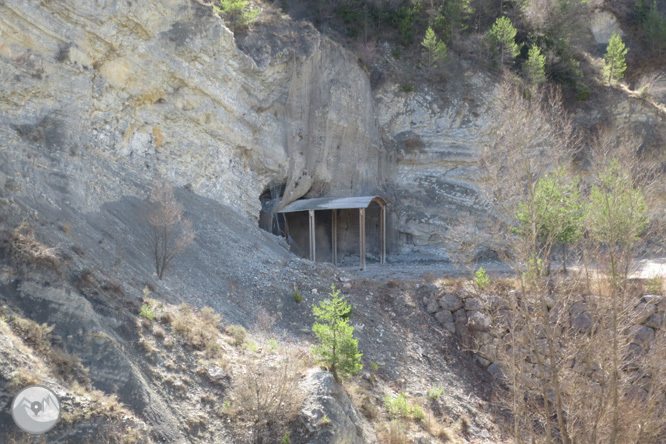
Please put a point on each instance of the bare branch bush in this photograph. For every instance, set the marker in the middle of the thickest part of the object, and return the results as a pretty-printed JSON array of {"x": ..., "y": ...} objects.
[
  {"x": 463, "y": 240},
  {"x": 266, "y": 394},
  {"x": 574, "y": 366},
  {"x": 169, "y": 232},
  {"x": 533, "y": 135}
]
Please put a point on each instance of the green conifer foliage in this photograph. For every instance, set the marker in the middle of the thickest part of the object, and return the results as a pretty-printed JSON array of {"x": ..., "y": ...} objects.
[
  {"x": 654, "y": 28},
  {"x": 435, "y": 51},
  {"x": 615, "y": 64},
  {"x": 337, "y": 349},
  {"x": 502, "y": 40},
  {"x": 535, "y": 66}
]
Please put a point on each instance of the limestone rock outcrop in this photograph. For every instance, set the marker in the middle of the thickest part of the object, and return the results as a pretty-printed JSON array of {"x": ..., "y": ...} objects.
[
  {"x": 329, "y": 414},
  {"x": 109, "y": 89}
]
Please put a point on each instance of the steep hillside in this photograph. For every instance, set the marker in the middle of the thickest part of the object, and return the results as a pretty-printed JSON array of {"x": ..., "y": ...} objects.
[
  {"x": 100, "y": 100},
  {"x": 98, "y": 104},
  {"x": 101, "y": 273}
]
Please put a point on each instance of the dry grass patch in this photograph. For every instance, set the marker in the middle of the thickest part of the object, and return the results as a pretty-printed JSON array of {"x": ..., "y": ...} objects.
[
  {"x": 159, "y": 332},
  {"x": 66, "y": 366},
  {"x": 33, "y": 334},
  {"x": 502, "y": 285},
  {"x": 363, "y": 399},
  {"x": 66, "y": 228},
  {"x": 23, "y": 378},
  {"x": 200, "y": 330},
  {"x": 394, "y": 432},
  {"x": 24, "y": 248}
]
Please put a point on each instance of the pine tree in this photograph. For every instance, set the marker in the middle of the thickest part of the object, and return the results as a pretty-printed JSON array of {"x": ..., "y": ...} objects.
[
  {"x": 337, "y": 349},
  {"x": 615, "y": 64},
  {"x": 435, "y": 50},
  {"x": 535, "y": 66},
  {"x": 654, "y": 28},
  {"x": 502, "y": 38},
  {"x": 553, "y": 215}
]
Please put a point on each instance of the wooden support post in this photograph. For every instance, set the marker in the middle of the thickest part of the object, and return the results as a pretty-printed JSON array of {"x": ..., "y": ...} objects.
[
  {"x": 382, "y": 234},
  {"x": 361, "y": 228},
  {"x": 334, "y": 235},
  {"x": 312, "y": 236}
]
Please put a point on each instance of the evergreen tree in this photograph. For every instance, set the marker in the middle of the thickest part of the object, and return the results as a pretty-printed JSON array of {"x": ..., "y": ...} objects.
[
  {"x": 617, "y": 213},
  {"x": 535, "y": 66},
  {"x": 654, "y": 28},
  {"x": 501, "y": 38},
  {"x": 435, "y": 51},
  {"x": 615, "y": 64},
  {"x": 451, "y": 17},
  {"x": 554, "y": 214},
  {"x": 337, "y": 349}
]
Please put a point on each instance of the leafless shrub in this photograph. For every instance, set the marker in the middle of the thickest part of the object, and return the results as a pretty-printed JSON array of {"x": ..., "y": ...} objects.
[
  {"x": 66, "y": 228},
  {"x": 532, "y": 135},
  {"x": 238, "y": 334},
  {"x": 169, "y": 232},
  {"x": 266, "y": 394},
  {"x": 572, "y": 370},
  {"x": 394, "y": 432},
  {"x": 113, "y": 286},
  {"x": 23, "y": 378},
  {"x": 646, "y": 86},
  {"x": 465, "y": 240},
  {"x": 264, "y": 321},
  {"x": 68, "y": 367},
  {"x": 367, "y": 52},
  {"x": 36, "y": 335}
]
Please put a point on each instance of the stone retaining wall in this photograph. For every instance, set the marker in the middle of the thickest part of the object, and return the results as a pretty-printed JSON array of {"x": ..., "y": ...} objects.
[{"x": 480, "y": 321}]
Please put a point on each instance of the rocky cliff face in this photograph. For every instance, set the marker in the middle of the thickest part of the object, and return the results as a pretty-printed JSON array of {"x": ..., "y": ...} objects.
[
  {"x": 108, "y": 94},
  {"x": 438, "y": 137},
  {"x": 161, "y": 89}
]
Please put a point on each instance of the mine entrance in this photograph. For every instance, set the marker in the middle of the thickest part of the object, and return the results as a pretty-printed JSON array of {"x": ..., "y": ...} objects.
[
  {"x": 322, "y": 225},
  {"x": 269, "y": 219}
]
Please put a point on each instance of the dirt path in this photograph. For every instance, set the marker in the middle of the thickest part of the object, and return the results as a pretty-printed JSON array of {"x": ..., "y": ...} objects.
[
  {"x": 407, "y": 271},
  {"x": 649, "y": 268}
]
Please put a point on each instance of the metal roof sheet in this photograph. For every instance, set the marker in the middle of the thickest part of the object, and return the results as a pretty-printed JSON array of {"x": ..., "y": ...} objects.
[{"x": 331, "y": 203}]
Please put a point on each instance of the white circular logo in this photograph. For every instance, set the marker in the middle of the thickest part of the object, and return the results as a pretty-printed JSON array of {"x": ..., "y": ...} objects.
[{"x": 36, "y": 409}]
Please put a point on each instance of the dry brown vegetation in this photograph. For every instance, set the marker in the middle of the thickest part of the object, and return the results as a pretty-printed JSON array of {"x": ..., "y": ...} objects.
[
  {"x": 572, "y": 367},
  {"x": 266, "y": 393},
  {"x": 169, "y": 232},
  {"x": 64, "y": 365},
  {"x": 25, "y": 249},
  {"x": 200, "y": 330}
]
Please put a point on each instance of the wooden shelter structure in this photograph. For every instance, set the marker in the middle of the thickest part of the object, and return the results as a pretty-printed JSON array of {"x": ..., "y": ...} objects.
[{"x": 342, "y": 203}]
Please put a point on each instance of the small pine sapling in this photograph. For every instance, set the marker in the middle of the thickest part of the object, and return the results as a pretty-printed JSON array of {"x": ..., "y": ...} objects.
[{"x": 337, "y": 349}]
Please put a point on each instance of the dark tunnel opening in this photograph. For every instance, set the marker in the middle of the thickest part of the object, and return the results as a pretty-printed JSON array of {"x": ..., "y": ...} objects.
[{"x": 269, "y": 219}]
